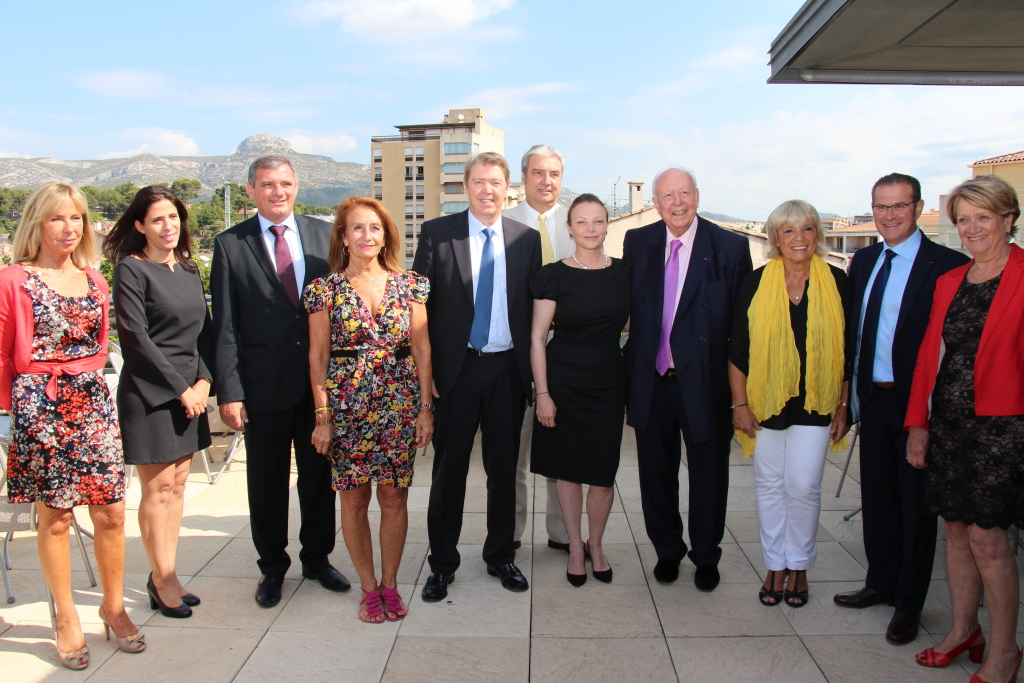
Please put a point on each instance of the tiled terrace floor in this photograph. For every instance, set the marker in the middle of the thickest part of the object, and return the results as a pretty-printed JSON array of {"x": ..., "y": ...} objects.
[{"x": 631, "y": 630}]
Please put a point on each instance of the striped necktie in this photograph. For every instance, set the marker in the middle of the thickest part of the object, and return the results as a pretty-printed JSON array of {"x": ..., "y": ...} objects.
[{"x": 547, "y": 252}]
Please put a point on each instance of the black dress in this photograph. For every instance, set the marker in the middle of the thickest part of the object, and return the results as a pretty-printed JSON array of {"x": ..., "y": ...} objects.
[
  {"x": 586, "y": 373},
  {"x": 164, "y": 327},
  {"x": 975, "y": 471},
  {"x": 793, "y": 412}
]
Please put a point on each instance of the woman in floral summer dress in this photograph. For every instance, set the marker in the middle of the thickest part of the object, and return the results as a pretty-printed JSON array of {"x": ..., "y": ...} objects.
[
  {"x": 369, "y": 360},
  {"x": 65, "y": 442}
]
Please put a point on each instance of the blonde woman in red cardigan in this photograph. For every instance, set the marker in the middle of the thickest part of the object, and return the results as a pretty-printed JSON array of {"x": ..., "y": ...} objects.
[
  {"x": 966, "y": 424},
  {"x": 65, "y": 442}
]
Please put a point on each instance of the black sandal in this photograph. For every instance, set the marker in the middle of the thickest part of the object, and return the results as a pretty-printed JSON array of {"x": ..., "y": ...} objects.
[
  {"x": 800, "y": 596},
  {"x": 766, "y": 594}
]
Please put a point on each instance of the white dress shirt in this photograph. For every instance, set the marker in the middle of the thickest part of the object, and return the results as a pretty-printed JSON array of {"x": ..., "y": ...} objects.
[
  {"x": 685, "y": 251},
  {"x": 551, "y": 221},
  {"x": 500, "y": 336},
  {"x": 291, "y": 237}
]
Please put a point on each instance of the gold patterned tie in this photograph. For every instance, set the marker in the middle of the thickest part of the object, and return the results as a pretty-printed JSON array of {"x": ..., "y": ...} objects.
[{"x": 547, "y": 252}]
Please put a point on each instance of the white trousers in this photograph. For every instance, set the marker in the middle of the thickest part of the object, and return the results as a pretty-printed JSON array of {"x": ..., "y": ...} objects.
[
  {"x": 788, "y": 465},
  {"x": 553, "y": 517}
]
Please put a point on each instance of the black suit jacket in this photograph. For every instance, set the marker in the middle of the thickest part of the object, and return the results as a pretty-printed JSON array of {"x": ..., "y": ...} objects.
[
  {"x": 443, "y": 257},
  {"x": 262, "y": 341},
  {"x": 700, "y": 333},
  {"x": 932, "y": 261}
]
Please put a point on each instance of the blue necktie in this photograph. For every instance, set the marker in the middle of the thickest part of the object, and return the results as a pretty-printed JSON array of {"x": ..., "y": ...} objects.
[
  {"x": 869, "y": 333},
  {"x": 481, "y": 330}
]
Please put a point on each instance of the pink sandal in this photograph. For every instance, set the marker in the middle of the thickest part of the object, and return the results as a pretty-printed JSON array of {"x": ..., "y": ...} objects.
[
  {"x": 394, "y": 610},
  {"x": 374, "y": 614}
]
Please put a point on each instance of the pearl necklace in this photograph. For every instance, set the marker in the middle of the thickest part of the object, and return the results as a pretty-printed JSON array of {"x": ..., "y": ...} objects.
[{"x": 607, "y": 261}]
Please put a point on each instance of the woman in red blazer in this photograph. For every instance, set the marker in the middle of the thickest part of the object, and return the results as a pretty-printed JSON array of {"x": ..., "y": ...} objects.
[
  {"x": 65, "y": 442},
  {"x": 966, "y": 424}
]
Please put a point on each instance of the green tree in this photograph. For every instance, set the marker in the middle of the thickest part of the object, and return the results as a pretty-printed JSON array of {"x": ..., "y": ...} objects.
[
  {"x": 313, "y": 210},
  {"x": 111, "y": 203},
  {"x": 186, "y": 189}
]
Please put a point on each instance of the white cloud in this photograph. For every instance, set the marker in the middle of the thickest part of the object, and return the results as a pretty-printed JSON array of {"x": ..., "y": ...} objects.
[
  {"x": 401, "y": 18},
  {"x": 124, "y": 83},
  {"x": 328, "y": 144},
  {"x": 15, "y": 155},
  {"x": 506, "y": 103},
  {"x": 154, "y": 141}
]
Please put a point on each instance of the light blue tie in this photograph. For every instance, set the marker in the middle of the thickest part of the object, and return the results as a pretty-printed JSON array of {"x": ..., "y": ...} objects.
[{"x": 481, "y": 330}]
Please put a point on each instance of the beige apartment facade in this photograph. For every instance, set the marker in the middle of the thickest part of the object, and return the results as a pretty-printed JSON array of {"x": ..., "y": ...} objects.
[{"x": 417, "y": 174}]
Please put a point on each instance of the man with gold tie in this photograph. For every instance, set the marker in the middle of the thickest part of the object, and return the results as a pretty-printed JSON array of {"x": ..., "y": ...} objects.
[{"x": 542, "y": 177}]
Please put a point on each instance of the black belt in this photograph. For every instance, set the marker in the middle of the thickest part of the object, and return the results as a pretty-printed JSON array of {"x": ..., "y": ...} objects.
[
  {"x": 474, "y": 352},
  {"x": 403, "y": 352}
]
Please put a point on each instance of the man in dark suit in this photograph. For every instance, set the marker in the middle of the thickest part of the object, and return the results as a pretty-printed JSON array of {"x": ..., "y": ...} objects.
[
  {"x": 893, "y": 282},
  {"x": 260, "y": 268},
  {"x": 480, "y": 310},
  {"x": 685, "y": 273}
]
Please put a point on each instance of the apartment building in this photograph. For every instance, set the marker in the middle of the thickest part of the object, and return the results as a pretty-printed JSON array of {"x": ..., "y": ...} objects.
[{"x": 417, "y": 174}]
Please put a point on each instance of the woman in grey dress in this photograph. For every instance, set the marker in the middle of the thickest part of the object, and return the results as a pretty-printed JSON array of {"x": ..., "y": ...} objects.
[{"x": 164, "y": 326}]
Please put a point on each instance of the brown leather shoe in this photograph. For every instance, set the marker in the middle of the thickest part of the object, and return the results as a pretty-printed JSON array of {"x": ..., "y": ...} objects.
[{"x": 865, "y": 597}]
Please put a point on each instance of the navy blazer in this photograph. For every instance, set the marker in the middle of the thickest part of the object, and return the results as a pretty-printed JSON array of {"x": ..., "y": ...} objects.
[
  {"x": 932, "y": 261},
  {"x": 443, "y": 257},
  {"x": 700, "y": 333},
  {"x": 261, "y": 352}
]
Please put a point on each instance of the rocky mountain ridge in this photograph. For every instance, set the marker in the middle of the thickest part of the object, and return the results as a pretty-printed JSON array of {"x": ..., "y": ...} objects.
[{"x": 322, "y": 180}]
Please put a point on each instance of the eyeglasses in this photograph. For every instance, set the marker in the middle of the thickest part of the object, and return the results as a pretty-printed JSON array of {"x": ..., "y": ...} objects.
[{"x": 898, "y": 208}]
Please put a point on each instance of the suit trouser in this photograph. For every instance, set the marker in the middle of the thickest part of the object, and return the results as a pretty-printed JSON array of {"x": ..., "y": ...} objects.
[
  {"x": 553, "y": 515},
  {"x": 899, "y": 541},
  {"x": 488, "y": 394},
  {"x": 268, "y": 442},
  {"x": 788, "y": 466},
  {"x": 658, "y": 453}
]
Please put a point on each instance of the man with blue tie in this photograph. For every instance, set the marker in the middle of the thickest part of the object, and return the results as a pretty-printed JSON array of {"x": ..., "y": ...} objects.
[
  {"x": 479, "y": 310},
  {"x": 893, "y": 282}
]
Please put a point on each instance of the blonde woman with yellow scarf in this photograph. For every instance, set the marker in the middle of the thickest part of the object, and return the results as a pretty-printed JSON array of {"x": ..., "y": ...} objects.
[{"x": 789, "y": 371}]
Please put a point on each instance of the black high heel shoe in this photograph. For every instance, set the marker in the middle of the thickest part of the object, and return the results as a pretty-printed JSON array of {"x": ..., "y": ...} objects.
[
  {"x": 578, "y": 580},
  {"x": 182, "y": 611},
  {"x": 602, "y": 576},
  {"x": 190, "y": 600}
]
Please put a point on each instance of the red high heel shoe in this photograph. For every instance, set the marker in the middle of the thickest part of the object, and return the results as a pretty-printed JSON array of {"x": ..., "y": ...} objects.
[
  {"x": 938, "y": 660},
  {"x": 1013, "y": 679}
]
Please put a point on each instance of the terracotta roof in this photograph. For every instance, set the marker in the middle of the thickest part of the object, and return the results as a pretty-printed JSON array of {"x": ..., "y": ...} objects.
[{"x": 1005, "y": 158}]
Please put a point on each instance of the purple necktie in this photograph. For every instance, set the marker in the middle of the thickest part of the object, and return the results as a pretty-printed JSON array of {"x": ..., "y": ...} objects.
[
  {"x": 285, "y": 268},
  {"x": 668, "y": 309}
]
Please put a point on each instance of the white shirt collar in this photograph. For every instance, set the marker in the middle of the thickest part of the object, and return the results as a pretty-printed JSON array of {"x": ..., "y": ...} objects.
[
  {"x": 476, "y": 226},
  {"x": 266, "y": 223}
]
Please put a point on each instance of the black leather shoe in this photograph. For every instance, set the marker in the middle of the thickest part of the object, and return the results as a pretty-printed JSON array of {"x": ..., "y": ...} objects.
[
  {"x": 707, "y": 577},
  {"x": 190, "y": 600},
  {"x": 511, "y": 578},
  {"x": 436, "y": 588},
  {"x": 555, "y": 545},
  {"x": 865, "y": 597},
  {"x": 666, "y": 571},
  {"x": 903, "y": 627},
  {"x": 268, "y": 591},
  {"x": 329, "y": 577}
]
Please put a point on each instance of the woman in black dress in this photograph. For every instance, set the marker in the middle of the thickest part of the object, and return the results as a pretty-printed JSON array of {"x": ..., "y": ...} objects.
[
  {"x": 580, "y": 381},
  {"x": 164, "y": 325}
]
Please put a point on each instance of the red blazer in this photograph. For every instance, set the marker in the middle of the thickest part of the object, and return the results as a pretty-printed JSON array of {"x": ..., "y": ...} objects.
[
  {"x": 17, "y": 328},
  {"x": 999, "y": 365}
]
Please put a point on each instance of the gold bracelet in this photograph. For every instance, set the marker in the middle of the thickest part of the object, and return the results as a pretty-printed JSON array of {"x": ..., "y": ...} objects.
[{"x": 322, "y": 409}]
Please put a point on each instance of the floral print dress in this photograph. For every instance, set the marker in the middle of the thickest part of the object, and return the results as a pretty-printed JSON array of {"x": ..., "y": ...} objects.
[
  {"x": 65, "y": 452},
  {"x": 372, "y": 383}
]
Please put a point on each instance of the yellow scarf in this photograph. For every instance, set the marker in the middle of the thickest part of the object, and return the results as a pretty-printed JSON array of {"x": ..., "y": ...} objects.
[{"x": 774, "y": 372}]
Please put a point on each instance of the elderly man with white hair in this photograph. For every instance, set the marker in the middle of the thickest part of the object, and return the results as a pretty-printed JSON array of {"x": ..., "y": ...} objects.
[{"x": 686, "y": 272}]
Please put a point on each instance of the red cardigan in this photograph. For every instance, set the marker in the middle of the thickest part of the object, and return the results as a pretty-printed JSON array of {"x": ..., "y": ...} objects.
[
  {"x": 17, "y": 328},
  {"x": 999, "y": 365}
]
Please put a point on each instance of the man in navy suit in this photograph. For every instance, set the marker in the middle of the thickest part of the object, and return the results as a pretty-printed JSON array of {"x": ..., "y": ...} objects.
[
  {"x": 685, "y": 273},
  {"x": 893, "y": 282}
]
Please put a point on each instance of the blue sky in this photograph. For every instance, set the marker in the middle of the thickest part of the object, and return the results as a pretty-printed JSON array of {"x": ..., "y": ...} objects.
[{"x": 620, "y": 87}]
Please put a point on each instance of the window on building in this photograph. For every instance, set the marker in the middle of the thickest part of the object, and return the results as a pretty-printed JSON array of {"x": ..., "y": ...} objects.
[
  {"x": 453, "y": 188},
  {"x": 410, "y": 251},
  {"x": 408, "y": 231},
  {"x": 419, "y": 154},
  {"x": 419, "y": 173},
  {"x": 454, "y": 207},
  {"x": 408, "y": 172},
  {"x": 408, "y": 192},
  {"x": 417, "y": 134},
  {"x": 378, "y": 174},
  {"x": 460, "y": 148},
  {"x": 378, "y": 154},
  {"x": 408, "y": 153},
  {"x": 408, "y": 212},
  {"x": 453, "y": 167},
  {"x": 378, "y": 192},
  {"x": 419, "y": 192},
  {"x": 419, "y": 211}
]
